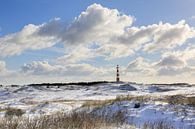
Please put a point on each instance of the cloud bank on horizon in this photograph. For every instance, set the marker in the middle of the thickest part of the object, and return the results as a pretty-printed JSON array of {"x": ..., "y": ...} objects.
[{"x": 100, "y": 32}]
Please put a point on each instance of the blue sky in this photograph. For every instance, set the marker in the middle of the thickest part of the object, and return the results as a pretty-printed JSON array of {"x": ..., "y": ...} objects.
[{"x": 15, "y": 15}]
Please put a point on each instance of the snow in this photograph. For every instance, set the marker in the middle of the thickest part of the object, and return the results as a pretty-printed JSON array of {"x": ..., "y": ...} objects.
[
  {"x": 152, "y": 113},
  {"x": 42, "y": 100}
]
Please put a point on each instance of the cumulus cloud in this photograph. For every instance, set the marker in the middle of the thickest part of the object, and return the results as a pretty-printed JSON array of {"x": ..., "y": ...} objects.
[
  {"x": 98, "y": 24},
  {"x": 4, "y": 72},
  {"x": 95, "y": 24},
  {"x": 44, "y": 68},
  {"x": 171, "y": 61},
  {"x": 169, "y": 65},
  {"x": 77, "y": 54},
  {"x": 141, "y": 67},
  {"x": 31, "y": 37},
  {"x": 112, "y": 30},
  {"x": 113, "y": 51},
  {"x": 156, "y": 36},
  {"x": 2, "y": 66},
  {"x": 179, "y": 58},
  {"x": 193, "y": 17},
  {"x": 40, "y": 67},
  {"x": 118, "y": 38},
  {"x": 174, "y": 71},
  {"x": 186, "y": 54},
  {"x": 176, "y": 62},
  {"x": 169, "y": 36},
  {"x": 114, "y": 36}
]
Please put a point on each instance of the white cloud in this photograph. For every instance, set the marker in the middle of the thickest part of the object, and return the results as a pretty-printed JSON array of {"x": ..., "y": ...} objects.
[
  {"x": 176, "y": 63},
  {"x": 186, "y": 54},
  {"x": 174, "y": 71},
  {"x": 108, "y": 27},
  {"x": 112, "y": 51},
  {"x": 178, "y": 58},
  {"x": 44, "y": 68},
  {"x": 157, "y": 36},
  {"x": 4, "y": 72},
  {"x": 30, "y": 37},
  {"x": 75, "y": 55},
  {"x": 169, "y": 65},
  {"x": 115, "y": 37},
  {"x": 169, "y": 36},
  {"x": 171, "y": 61},
  {"x": 2, "y": 66},
  {"x": 192, "y": 17},
  {"x": 39, "y": 68},
  {"x": 98, "y": 24},
  {"x": 140, "y": 66}
]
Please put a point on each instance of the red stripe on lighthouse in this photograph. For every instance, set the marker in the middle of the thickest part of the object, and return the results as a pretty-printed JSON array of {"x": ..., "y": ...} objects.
[{"x": 117, "y": 73}]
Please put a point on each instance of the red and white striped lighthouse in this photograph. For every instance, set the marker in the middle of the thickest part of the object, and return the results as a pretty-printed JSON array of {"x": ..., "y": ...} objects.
[{"x": 117, "y": 73}]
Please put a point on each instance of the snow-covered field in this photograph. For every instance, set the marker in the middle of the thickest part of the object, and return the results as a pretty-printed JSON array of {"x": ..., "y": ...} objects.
[{"x": 35, "y": 100}]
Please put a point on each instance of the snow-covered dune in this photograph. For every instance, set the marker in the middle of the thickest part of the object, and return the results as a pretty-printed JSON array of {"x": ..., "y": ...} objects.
[{"x": 36, "y": 100}]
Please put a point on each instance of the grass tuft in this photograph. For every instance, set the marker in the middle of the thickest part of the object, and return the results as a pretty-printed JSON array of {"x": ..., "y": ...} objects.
[{"x": 10, "y": 112}]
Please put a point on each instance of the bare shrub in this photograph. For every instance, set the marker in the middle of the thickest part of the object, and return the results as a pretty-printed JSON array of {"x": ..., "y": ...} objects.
[
  {"x": 157, "y": 125},
  {"x": 74, "y": 120},
  {"x": 141, "y": 98},
  {"x": 180, "y": 99},
  {"x": 10, "y": 112},
  {"x": 7, "y": 123},
  {"x": 101, "y": 103},
  {"x": 191, "y": 100},
  {"x": 97, "y": 103}
]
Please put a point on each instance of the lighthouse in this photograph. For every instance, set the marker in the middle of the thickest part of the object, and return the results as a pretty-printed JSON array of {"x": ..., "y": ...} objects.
[{"x": 117, "y": 73}]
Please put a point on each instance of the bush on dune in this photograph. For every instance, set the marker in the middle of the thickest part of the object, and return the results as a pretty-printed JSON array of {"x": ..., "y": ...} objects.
[
  {"x": 74, "y": 120},
  {"x": 10, "y": 112}
]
